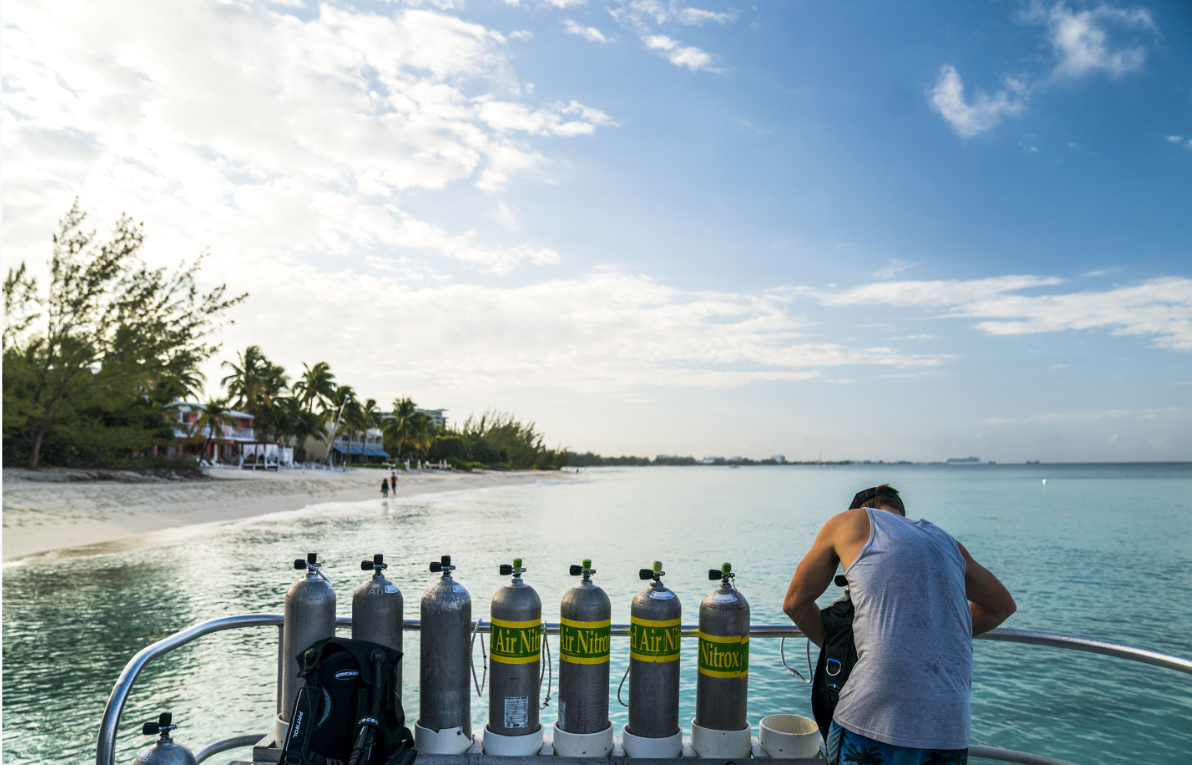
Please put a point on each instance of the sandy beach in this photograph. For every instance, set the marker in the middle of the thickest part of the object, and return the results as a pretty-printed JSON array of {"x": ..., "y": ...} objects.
[{"x": 70, "y": 512}]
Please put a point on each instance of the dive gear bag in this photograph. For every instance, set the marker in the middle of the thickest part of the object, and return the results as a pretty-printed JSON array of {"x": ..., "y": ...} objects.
[
  {"x": 838, "y": 656},
  {"x": 348, "y": 711}
]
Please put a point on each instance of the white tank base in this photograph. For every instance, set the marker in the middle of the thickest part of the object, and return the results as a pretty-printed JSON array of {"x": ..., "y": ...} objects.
[
  {"x": 512, "y": 746},
  {"x": 651, "y": 748},
  {"x": 583, "y": 744},
  {"x": 281, "y": 729},
  {"x": 709, "y": 742},
  {"x": 446, "y": 741}
]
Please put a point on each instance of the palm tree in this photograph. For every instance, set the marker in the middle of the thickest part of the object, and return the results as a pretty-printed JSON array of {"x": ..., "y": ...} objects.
[
  {"x": 214, "y": 416},
  {"x": 370, "y": 417},
  {"x": 315, "y": 386},
  {"x": 422, "y": 433},
  {"x": 248, "y": 382},
  {"x": 397, "y": 430}
]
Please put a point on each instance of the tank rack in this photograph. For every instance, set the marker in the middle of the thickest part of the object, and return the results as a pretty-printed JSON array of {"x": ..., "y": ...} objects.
[{"x": 264, "y": 755}]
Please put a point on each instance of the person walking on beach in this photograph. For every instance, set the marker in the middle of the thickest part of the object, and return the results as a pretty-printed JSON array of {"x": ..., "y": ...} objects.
[
  {"x": 918, "y": 599},
  {"x": 384, "y": 488},
  {"x": 393, "y": 480}
]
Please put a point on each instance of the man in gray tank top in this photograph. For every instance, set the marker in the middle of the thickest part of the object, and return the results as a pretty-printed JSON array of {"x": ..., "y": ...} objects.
[{"x": 918, "y": 599}]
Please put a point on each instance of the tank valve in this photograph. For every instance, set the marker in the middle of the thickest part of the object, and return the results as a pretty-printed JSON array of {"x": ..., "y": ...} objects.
[
  {"x": 656, "y": 573},
  {"x": 377, "y": 564},
  {"x": 724, "y": 574},
  {"x": 310, "y": 563},
  {"x": 585, "y": 569},
  {"x": 442, "y": 564},
  {"x": 162, "y": 727},
  {"x": 516, "y": 569}
]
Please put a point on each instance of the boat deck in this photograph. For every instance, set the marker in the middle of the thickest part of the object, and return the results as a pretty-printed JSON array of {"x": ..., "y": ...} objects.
[{"x": 263, "y": 754}]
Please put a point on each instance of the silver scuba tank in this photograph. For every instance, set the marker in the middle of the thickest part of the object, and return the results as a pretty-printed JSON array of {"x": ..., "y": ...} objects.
[
  {"x": 445, "y": 700},
  {"x": 165, "y": 751},
  {"x": 722, "y": 686},
  {"x": 585, "y": 634},
  {"x": 378, "y": 611},
  {"x": 514, "y": 653},
  {"x": 654, "y": 627},
  {"x": 309, "y": 617}
]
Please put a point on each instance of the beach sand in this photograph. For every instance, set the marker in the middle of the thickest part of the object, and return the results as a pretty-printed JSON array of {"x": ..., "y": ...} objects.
[{"x": 71, "y": 513}]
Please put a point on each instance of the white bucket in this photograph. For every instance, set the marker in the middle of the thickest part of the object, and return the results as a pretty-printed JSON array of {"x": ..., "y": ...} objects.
[
  {"x": 583, "y": 744},
  {"x": 789, "y": 737},
  {"x": 651, "y": 748},
  {"x": 709, "y": 742},
  {"x": 446, "y": 741},
  {"x": 512, "y": 746}
]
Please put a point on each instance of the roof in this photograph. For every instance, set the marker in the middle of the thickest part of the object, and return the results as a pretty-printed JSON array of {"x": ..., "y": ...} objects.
[
  {"x": 185, "y": 405},
  {"x": 365, "y": 451}
]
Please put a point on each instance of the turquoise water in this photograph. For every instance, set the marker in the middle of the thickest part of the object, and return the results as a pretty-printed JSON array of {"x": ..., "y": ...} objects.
[{"x": 1101, "y": 551}]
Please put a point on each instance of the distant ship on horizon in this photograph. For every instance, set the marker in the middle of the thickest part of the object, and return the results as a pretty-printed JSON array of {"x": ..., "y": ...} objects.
[{"x": 963, "y": 461}]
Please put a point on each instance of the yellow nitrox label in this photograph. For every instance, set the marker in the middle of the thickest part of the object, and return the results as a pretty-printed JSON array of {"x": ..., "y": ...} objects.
[
  {"x": 721, "y": 656},
  {"x": 515, "y": 642},
  {"x": 652, "y": 640},
  {"x": 584, "y": 642}
]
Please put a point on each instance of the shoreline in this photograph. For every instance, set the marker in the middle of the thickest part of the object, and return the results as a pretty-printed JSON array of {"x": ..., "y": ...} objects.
[{"x": 48, "y": 517}]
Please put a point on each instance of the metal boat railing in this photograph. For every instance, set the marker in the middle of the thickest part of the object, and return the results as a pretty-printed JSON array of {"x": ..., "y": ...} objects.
[{"x": 105, "y": 753}]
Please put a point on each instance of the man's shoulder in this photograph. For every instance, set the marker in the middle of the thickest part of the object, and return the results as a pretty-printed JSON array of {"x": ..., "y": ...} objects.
[{"x": 848, "y": 523}]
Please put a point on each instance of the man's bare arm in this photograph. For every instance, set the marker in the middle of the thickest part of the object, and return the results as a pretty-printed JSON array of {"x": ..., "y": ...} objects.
[
  {"x": 989, "y": 600},
  {"x": 811, "y": 580}
]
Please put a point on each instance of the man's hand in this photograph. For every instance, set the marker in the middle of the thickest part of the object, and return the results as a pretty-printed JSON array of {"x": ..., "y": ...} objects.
[{"x": 989, "y": 600}]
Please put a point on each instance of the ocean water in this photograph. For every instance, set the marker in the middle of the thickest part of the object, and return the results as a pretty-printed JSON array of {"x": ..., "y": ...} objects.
[{"x": 1098, "y": 550}]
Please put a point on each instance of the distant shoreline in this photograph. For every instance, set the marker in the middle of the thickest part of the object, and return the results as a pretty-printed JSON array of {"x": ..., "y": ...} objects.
[{"x": 67, "y": 517}]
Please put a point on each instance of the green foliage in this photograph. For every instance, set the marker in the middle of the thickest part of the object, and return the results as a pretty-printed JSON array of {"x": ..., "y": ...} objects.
[{"x": 83, "y": 357}]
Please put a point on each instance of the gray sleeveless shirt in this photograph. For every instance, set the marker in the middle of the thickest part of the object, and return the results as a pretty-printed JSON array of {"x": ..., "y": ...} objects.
[{"x": 913, "y": 630}]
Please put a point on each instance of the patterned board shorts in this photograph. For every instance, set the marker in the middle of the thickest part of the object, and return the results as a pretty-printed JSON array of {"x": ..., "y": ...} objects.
[{"x": 847, "y": 748}]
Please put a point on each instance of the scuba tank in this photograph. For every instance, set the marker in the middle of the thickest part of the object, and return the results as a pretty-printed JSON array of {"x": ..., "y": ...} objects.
[
  {"x": 585, "y": 634},
  {"x": 309, "y": 617},
  {"x": 720, "y": 727},
  {"x": 445, "y": 701},
  {"x": 654, "y": 628},
  {"x": 515, "y": 678},
  {"x": 377, "y": 611},
  {"x": 166, "y": 751}
]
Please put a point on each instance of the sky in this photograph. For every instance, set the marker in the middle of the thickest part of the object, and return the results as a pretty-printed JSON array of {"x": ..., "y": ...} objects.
[{"x": 884, "y": 230}]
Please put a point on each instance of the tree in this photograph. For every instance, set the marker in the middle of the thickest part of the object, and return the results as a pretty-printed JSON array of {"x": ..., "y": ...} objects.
[
  {"x": 398, "y": 429},
  {"x": 315, "y": 386},
  {"x": 211, "y": 419},
  {"x": 81, "y": 355},
  {"x": 370, "y": 417}
]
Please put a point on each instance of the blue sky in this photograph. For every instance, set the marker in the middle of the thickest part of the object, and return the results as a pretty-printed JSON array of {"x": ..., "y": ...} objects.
[{"x": 890, "y": 230}]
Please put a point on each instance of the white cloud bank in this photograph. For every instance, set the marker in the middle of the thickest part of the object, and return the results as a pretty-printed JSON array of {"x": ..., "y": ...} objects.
[
  {"x": 258, "y": 133},
  {"x": 647, "y": 18},
  {"x": 1160, "y": 309}
]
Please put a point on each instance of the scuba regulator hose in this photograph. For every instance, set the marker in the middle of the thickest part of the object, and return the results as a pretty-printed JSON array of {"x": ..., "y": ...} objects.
[{"x": 362, "y": 749}]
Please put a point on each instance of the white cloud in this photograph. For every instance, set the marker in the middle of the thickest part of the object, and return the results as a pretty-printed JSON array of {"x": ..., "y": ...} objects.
[
  {"x": 1160, "y": 309},
  {"x": 698, "y": 16},
  {"x": 565, "y": 3},
  {"x": 1096, "y": 416},
  {"x": 605, "y": 331},
  {"x": 1081, "y": 38},
  {"x": 678, "y": 54},
  {"x": 895, "y": 267},
  {"x": 591, "y": 34},
  {"x": 983, "y": 112},
  {"x": 258, "y": 133}
]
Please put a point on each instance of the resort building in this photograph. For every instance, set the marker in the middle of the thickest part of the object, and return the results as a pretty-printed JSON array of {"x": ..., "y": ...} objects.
[
  {"x": 224, "y": 443},
  {"x": 369, "y": 448},
  {"x": 436, "y": 416}
]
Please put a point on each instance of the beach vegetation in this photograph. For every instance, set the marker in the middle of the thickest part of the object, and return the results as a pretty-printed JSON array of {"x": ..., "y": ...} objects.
[{"x": 83, "y": 353}]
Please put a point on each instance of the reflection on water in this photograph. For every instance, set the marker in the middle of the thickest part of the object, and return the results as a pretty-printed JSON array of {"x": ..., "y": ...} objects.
[{"x": 1099, "y": 551}]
